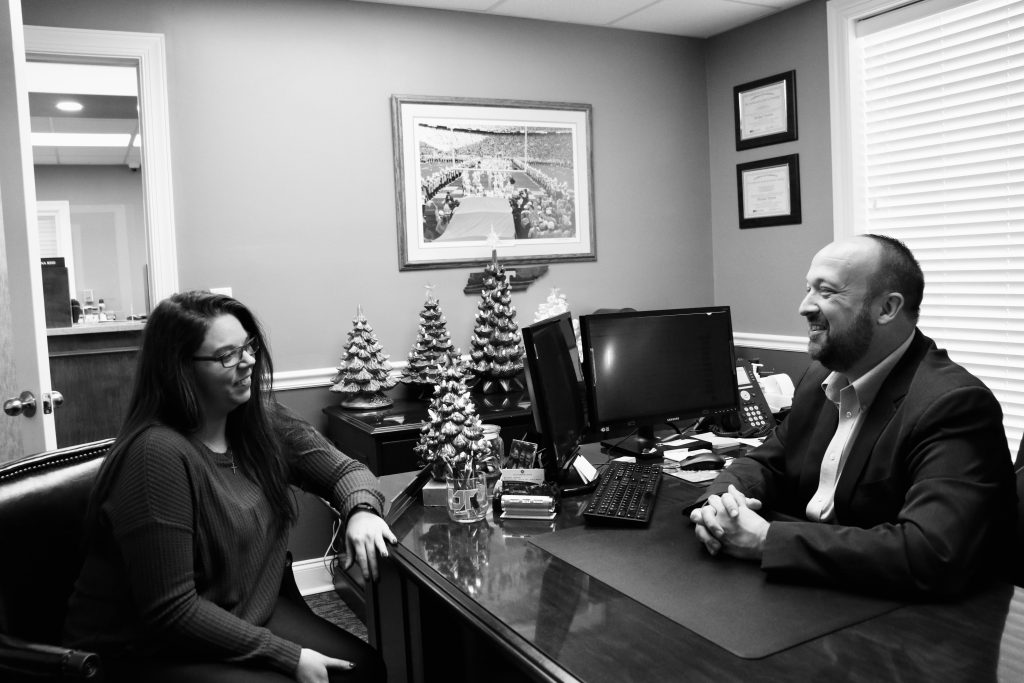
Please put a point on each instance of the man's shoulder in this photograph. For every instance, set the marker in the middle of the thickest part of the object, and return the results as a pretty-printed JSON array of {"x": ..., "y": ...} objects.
[{"x": 937, "y": 372}]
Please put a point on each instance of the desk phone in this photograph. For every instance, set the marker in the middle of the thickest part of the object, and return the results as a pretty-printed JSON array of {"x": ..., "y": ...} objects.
[{"x": 754, "y": 414}]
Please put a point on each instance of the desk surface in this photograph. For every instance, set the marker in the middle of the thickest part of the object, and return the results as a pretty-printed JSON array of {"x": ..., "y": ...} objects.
[{"x": 563, "y": 624}]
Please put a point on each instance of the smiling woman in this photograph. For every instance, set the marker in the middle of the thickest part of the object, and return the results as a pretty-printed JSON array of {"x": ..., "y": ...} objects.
[{"x": 191, "y": 511}]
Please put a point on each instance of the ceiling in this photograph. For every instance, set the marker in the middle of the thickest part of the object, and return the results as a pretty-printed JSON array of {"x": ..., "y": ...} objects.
[
  {"x": 690, "y": 18},
  {"x": 106, "y": 129}
]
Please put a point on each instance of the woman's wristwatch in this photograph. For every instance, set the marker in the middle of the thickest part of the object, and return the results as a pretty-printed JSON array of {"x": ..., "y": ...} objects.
[{"x": 361, "y": 507}]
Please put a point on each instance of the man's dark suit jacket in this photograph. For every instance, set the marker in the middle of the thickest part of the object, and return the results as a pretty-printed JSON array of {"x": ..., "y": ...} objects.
[{"x": 925, "y": 502}]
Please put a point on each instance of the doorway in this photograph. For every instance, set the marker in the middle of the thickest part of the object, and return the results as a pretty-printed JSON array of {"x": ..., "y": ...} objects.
[{"x": 22, "y": 264}]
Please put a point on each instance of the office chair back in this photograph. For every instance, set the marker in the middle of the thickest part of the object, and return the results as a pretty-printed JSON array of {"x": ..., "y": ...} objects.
[
  {"x": 1018, "y": 550},
  {"x": 43, "y": 499}
]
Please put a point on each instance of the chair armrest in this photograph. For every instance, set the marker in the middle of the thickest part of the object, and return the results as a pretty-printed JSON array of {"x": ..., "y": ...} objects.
[{"x": 37, "y": 660}]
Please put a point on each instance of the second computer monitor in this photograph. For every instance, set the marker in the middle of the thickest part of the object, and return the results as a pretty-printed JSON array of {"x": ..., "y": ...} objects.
[
  {"x": 555, "y": 382},
  {"x": 644, "y": 368}
]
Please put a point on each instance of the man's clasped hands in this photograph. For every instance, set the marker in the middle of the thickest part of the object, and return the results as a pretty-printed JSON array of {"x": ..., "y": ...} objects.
[{"x": 729, "y": 523}]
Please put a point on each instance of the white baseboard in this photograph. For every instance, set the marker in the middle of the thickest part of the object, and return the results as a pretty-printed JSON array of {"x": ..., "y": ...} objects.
[{"x": 313, "y": 576}]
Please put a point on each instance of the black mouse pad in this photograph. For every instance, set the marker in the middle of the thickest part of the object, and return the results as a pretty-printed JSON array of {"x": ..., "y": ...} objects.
[{"x": 724, "y": 600}]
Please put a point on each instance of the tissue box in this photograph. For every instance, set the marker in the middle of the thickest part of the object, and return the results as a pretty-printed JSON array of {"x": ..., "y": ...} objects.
[{"x": 434, "y": 494}]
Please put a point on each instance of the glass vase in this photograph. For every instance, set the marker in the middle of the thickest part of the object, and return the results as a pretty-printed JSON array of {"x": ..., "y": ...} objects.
[{"x": 467, "y": 498}]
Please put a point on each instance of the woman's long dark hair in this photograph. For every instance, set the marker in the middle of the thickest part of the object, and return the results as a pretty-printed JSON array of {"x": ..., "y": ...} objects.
[{"x": 165, "y": 393}]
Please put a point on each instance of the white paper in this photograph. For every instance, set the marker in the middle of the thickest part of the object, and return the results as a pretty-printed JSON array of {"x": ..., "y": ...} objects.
[
  {"x": 680, "y": 455},
  {"x": 583, "y": 467},
  {"x": 530, "y": 475},
  {"x": 695, "y": 476},
  {"x": 678, "y": 442}
]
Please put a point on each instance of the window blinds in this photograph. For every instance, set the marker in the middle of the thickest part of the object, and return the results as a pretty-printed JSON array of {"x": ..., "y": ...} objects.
[{"x": 943, "y": 170}]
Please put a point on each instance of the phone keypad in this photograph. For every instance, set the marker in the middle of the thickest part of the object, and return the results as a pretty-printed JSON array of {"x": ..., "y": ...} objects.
[{"x": 753, "y": 416}]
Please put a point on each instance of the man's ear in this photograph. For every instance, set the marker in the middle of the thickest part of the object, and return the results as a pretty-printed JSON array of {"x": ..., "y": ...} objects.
[{"x": 892, "y": 304}]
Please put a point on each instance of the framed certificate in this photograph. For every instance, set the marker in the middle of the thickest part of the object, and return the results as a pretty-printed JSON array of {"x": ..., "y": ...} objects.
[
  {"x": 765, "y": 111},
  {"x": 769, "y": 192}
]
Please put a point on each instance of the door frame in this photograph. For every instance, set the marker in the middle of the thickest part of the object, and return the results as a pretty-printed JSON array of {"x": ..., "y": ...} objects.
[{"x": 28, "y": 368}]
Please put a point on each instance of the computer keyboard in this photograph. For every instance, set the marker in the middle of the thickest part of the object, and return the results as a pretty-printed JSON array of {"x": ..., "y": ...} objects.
[{"x": 625, "y": 494}]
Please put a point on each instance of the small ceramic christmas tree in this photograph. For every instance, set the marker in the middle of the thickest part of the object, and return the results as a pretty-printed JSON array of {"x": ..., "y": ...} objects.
[
  {"x": 452, "y": 440},
  {"x": 555, "y": 303},
  {"x": 433, "y": 344},
  {"x": 364, "y": 373},
  {"x": 496, "y": 358}
]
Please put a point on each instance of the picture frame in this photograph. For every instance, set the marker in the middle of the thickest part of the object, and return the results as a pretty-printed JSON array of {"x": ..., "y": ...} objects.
[
  {"x": 476, "y": 176},
  {"x": 765, "y": 111},
  {"x": 768, "y": 192}
]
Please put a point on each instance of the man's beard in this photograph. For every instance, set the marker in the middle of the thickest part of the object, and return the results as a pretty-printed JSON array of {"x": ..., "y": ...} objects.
[{"x": 843, "y": 348}]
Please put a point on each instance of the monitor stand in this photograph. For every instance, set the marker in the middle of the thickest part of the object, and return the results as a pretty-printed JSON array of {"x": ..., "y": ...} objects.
[{"x": 643, "y": 445}]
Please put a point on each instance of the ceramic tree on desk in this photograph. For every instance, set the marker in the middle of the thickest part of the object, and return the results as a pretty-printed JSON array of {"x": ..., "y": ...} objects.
[
  {"x": 496, "y": 357},
  {"x": 452, "y": 443},
  {"x": 364, "y": 373},
  {"x": 433, "y": 344}
]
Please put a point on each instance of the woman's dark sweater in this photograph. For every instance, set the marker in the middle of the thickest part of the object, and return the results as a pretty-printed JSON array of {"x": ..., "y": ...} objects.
[{"x": 188, "y": 559}]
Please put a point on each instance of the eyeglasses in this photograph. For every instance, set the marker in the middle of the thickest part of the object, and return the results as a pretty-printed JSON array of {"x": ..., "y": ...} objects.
[{"x": 233, "y": 357}]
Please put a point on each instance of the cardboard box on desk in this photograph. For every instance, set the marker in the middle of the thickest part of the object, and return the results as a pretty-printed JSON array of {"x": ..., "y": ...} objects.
[{"x": 434, "y": 494}]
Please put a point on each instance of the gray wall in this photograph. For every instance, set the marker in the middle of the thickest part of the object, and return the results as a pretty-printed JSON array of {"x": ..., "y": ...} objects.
[
  {"x": 282, "y": 160},
  {"x": 760, "y": 272},
  {"x": 94, "y": 193},
  {"x": 282, "y": 155},
  {"x": 284, "y": 187}
]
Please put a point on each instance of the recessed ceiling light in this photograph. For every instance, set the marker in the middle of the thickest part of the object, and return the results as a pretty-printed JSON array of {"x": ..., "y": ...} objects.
[{"x": 69, "y": 105}]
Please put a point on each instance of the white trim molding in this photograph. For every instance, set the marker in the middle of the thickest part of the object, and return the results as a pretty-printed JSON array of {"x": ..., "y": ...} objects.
[
  {"x": 317, "y": 377},
  {"x": 303, "y": 379},
  {"x": 772, "y": 342},
  {"x": 313, "y": 576}
]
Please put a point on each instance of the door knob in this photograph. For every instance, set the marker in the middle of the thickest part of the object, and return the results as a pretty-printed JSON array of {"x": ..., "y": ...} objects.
[
  {"x": 22, "y": 405},
  {"x": 52, "y": 400}
]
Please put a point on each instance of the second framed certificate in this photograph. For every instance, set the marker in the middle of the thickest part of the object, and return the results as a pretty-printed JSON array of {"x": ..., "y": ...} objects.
[{"x": 769, "y": 192}]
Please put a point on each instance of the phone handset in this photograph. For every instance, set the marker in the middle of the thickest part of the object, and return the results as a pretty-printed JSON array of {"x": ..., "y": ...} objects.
[{"x": 754, "y": 414}]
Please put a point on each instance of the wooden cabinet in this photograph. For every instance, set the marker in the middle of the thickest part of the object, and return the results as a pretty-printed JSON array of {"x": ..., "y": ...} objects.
[
  {"x": 92, "y": 366},
  {"x": 384, "y": 439}
]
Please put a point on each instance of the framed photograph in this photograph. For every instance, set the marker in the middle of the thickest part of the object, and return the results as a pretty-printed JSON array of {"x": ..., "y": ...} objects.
[
  {"x": 769, "y": 192},
  {"x": 472, "y": 176},
  {"x": 765, "y": 111}
]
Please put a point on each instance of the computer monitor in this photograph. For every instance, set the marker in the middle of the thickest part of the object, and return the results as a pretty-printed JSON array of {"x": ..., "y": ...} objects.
[
  {"x": 555, "y": 382},
  {"x": 644, "y": 368}
]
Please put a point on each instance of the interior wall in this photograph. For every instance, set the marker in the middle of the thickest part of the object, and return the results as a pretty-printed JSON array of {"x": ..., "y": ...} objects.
[
  {"x": 760, "y": 272},
  {"x": 104, "y": 201},
  {"x": 281, "y": 147}
]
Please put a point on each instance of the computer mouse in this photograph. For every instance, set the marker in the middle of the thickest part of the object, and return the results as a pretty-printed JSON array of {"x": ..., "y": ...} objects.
[{"x": 704, "y": 461}]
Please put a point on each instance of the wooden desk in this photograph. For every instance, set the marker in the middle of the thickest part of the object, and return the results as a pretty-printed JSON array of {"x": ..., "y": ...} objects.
[
  {"x": 471, "y": 603},
  {"x": 384, "y": 439}
]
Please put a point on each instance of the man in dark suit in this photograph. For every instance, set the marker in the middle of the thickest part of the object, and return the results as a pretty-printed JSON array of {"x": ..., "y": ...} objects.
[{"x": 891, "y": 473}]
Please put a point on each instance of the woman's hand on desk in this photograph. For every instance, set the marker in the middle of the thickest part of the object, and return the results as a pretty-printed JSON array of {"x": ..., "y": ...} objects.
[
  {"x": 730, "y": 523},
  {"x": 366, "y": 536}
]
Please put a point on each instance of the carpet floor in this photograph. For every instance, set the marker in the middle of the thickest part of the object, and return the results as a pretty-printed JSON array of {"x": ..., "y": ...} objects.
[{"x": 332, "y": 608}]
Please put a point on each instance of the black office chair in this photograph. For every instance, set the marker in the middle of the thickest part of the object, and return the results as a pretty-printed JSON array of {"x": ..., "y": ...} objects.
[
  {"x": 1018, "y": 565},
  {"x": 43, "y": 502},
  {"x": 43, "y": 499}
]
